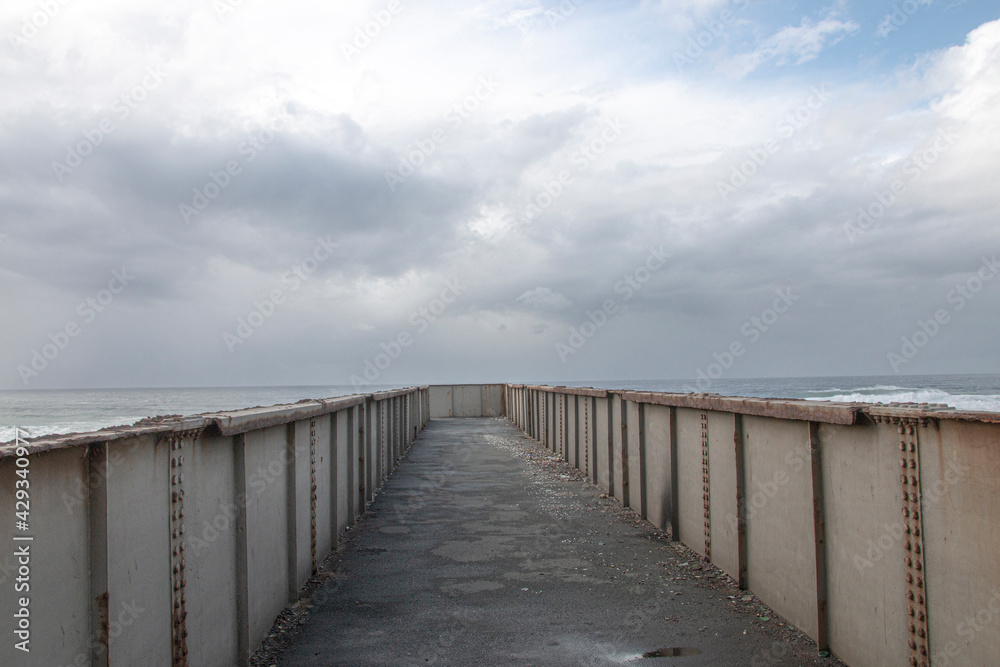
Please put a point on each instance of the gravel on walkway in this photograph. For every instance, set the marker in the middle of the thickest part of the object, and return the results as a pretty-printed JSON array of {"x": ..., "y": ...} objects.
[{"x": 484, "y": 549}]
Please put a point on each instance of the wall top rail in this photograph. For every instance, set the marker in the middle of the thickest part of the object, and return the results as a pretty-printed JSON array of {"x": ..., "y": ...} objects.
[
  {"x": 894, "y": 411},
  {"x": 572, "y": 391},
  {"x": 226, "y": 423},
  {"x": 251, "y": 419},
  {"x": 796, "y": 409},
  {"x": 394, "y": 393}
]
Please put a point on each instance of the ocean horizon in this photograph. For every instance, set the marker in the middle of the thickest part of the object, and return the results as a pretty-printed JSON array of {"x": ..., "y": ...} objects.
[{"x": 42, "y": 412}]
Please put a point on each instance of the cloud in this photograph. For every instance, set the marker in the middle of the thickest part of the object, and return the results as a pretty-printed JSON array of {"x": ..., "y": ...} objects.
[
  {"x": 795, "y": 44},
  {"x": 454, "y": 217},
  {"x": 544, "y": 299}
]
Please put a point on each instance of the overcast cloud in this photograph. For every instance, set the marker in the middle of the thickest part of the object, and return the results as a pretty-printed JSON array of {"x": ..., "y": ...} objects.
[{"x": 261, "y": 193}]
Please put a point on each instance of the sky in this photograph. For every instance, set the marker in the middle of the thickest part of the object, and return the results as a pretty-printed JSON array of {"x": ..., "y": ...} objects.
[{"x": 250, "y": 193}]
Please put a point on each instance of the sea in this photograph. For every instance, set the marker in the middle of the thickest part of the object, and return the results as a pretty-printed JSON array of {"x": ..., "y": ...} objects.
[{"x": 60, "y": 411}]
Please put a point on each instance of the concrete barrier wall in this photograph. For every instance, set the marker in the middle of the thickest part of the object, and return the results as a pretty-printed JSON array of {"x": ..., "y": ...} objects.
[
  {"x": 872, "y": 528},
  {"x": 179, "y": 541}
]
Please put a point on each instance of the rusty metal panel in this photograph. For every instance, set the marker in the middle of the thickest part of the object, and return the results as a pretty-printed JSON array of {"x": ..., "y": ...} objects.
[
  {"x": 602, "y": 471},
  {"x": 268, "y": 520},
  {"x": 61, "y": 601},
  {"x": 691, "y": 493},
  {"x": 723, "y": 494},
  {"x": 866, "y": 585},
  {"x": 211, "y": 543},
  {"x": 145, "y": 498},
  {"x": 780, "y": 517},
  {"x": 959, "y": 488},
  {"x": 706, "y": 485},
  {"x": 657, "y": 448}
]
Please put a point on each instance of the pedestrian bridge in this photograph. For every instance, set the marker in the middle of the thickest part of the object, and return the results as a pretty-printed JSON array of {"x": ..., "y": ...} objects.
[{"x": 179, "y": 541}]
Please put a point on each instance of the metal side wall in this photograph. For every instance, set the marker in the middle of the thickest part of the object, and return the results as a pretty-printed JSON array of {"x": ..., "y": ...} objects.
[
  {"x": 178, "y": 542},
  {"x": 475, "y": 400},
  {"x": 871, "y": 528}
]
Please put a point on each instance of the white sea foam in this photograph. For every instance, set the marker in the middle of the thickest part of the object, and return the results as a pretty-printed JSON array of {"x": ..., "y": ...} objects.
[
  {"x": 972, "y": 402},
  {"x": 7, "y": 433}
]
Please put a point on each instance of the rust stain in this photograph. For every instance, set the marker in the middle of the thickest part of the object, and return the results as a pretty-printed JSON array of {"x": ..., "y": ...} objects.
[{"x": 104, "y": 640}]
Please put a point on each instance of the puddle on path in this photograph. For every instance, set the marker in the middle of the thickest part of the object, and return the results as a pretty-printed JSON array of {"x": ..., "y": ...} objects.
[{"x": 672, "y": 653}]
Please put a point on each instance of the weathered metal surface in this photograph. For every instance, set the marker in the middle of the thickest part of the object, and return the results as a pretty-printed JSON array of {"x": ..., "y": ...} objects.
[
  {"x": 586, "y": 436},
  {"x": 706, "y": 486},
  {"x": 393, "y": 393},
  {"x": 573, "y": 391},
  {"x": 49, "y": 443},
  {"x": 797, "y": 409},
  {"x": 925, "y": 412},
  {"x": 801, "y": 410},
  {"x": 626, "y": 498},
  {"x": 178, "y": 575},
  {"x": 835, "y": 600},
  {"x": 819, "y": 536},
  {"x": 611, "y": 446},
  {"x": 313, "y": 496},
  {"x": 916, "y": 591},
  {"x": 102, "y": 651},
  {"x": 563, "y": 427},
  {"x": 643, "y": 476},
  {"x": 675, "y": 486},
  {"x": 242, "y": 421},
  {"x": 741, "y": 502},
  {"x": 826, "y": 412},
  {"x": 227, "y": 423},
  {"x": 151, "y": 533}
]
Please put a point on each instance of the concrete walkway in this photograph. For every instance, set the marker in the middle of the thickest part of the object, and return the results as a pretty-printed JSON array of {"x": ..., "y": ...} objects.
[{"x": 482, "y": 550}]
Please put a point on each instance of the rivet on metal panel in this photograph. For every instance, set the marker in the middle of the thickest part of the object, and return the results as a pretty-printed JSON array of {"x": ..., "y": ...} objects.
[
  {"x": 913, "y": 527},
  {"x": 177, "y": 562},
  {"x": 706, "y": 486},
  {"x": 312, "y": 493}
]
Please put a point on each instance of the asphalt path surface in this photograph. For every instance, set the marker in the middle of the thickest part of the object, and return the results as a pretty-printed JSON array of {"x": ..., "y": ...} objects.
[{"x": 483, "y": 549}]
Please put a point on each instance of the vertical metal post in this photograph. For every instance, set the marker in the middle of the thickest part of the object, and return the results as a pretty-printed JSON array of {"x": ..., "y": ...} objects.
[
  {"x": 292, "y": 524},
  {"x": 706, "y": 485},
  {"x": 819, "y": 533},
  {"x": 626, "y": 495},
  {"x": 355, "y": 436},
  {"x": 97, "y": 517},
  {"x": 334, "y": 480},
  {"x": 313, "y": 497},
  {"x": 178, "y": 576},
  {"x": 913, "y": 528},
  {"x": 674, "y": 512},
  {"x": 593, "y": 441},
  {"x": 242, "y": 550},
  {"x": 741, "y": 501},
  {"x": 643, "y": 509},
  {"x": 611, "y": 445}
]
